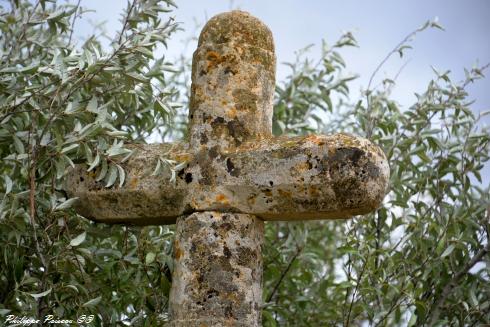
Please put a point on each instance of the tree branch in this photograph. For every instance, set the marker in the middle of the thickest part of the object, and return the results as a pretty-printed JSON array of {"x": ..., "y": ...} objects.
[
  {"x": 73, "y": 22},
  {"x": 284, "y": 273},
  {"x": 450, "y": 286},
  {"x": 126, "y": 20}
]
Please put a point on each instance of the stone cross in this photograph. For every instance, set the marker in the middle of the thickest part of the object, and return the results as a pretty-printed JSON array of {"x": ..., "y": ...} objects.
[{"x": 237, "y": 176}]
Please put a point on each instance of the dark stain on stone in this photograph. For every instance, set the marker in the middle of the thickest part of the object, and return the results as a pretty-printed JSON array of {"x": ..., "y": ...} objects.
[
  {"x": 348, "y": 154},
  {"x": 226, "y": 226},
  {"x": 207, "y": 170},
  {"x": 349, "y": 169},
  {"x": 213, "y": 152},
  {"x": 230, "y": 167},
  {"x": 188, "y": 178},
  {"x": 212, "y": 293},
  {"x": 238, "y": 131},
  {"x": 245, "y": 255},
  {"x": 245, "y": 100},
  {"x": 218, "y": 120},
  {"x": 229, "y": 311},
  {"x": 204, "y": 139},
  {"x": 229, "y": 70},
  {"x": 226, "y": 252}
]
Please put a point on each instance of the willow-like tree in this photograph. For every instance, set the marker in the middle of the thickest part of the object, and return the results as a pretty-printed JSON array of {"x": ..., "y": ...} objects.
[{"x": 421, "y": 259}]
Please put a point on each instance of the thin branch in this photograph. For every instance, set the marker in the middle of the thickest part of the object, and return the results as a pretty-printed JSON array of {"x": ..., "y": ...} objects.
[
  {"x": 126, "y": 21},
  {"x": 452, "y": 284},
  {"x": 284, "y": 273},
  {"x": 73, "y": 22},
  {"x": 363, "y": 269},
  {"x": 396, "y": 49}
]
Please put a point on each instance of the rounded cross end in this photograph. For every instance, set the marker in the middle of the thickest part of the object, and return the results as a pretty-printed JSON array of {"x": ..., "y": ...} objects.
[{"x": 237, "y": 27}]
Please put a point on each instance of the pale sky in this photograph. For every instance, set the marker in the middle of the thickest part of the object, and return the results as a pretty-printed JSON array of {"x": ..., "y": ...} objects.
[{"x": 378, "y": 26}]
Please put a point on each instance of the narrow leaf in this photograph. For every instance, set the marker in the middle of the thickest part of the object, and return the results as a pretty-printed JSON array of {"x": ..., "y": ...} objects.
[{"x": 79, "y": 239}]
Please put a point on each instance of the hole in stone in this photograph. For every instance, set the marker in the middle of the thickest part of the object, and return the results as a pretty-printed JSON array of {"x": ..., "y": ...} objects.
[
  {"x": 81, "y": 179},
  {"x": 226, "y": 252},
  {"x": 188, "y": 178},
  {"x": 228, "y": 70},
  {"x": 192, "y": 116},
  {"x": 272, "y": 183}
]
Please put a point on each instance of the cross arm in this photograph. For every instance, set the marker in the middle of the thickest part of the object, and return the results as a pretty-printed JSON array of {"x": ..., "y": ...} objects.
[
  {"x": 145, "y": 198},
  {"x": 312, "y": 177}
]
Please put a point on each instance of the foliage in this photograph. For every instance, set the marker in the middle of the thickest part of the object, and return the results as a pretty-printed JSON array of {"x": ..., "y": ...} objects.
[
  {"x": 415, "y": 261},
  {"x": 410, "y": 262},
  {"x": 62, "y": 104}
]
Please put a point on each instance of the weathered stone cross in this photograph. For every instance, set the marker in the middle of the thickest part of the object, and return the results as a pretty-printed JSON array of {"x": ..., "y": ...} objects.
[{"x": 237, "y": 176}]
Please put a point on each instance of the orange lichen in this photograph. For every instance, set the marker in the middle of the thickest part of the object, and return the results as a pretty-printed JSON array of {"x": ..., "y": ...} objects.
[
  {"x": 222, "y": 198},
  {"x": 285, "y": 194},
  {"x": 213, "y": 59},
  {"x": 133, "y": 182},
  {"x": 181, "y": 157},
  {"x": 302, "y": 167},
  {"x": 231, "y": 113},
  {"x": 313, "y": 190},
  {"x": 178, "y": 251}
]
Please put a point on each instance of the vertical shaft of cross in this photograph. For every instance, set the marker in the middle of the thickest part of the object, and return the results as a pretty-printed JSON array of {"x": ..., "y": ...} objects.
[
  {"x": 218, "y": 263},
  {"x": 217, "y": 270}
]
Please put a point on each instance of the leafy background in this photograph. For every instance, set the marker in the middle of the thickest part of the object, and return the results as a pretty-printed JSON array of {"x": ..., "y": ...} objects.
[{"x": 421, "y": 259}]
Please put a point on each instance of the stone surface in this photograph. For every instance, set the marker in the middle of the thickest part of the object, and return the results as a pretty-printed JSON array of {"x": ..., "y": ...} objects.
[
  {"x": 237, "y": 175},
  {"x": 312, "y": 177},
  {"x": 217, "y": 270},
  {"x": 233, "y": 80}
]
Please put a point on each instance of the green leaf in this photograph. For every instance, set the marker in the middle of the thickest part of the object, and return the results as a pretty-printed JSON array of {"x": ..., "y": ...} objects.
[
  {"x": 103, "y": 171},
  {"x": 94, "y": 163},
  {"x": 70, "y": 147},
  {"x": 8, "y": 184},
  {"x": 66, "y": 204},
  {"x": 122, "y": 175},
  {"x": 448, "y": 251},
  {"x": 150, "y": 257},
  {"x": 92, "y": 303},
  {"x": 39, "y": 295},
  {"x": 158, "y": 168},
  {"x": 79, "y": 239},
  {"x": 137, "y": 77},
  {"x": 92, "y": 105},
  {"x": 111, "y": 177},
  {"x": 18, "y": 145},
  {"x": 116, "y": 151}
]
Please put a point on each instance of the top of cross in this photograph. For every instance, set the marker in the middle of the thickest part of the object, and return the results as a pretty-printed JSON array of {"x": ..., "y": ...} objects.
[
  {"x": 233, "y": 80},
  {"x": 233, "y": 162},
  {"x": 237, "y": 27}
]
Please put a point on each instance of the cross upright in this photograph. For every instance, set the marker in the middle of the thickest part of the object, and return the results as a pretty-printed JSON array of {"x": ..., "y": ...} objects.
[{"x": 237, "y": 176}]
